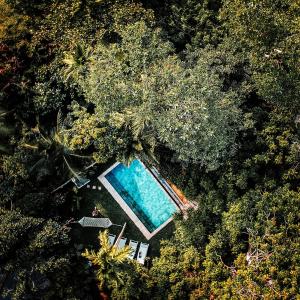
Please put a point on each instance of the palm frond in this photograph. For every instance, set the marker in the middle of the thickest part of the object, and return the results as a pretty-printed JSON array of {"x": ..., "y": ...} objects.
[
  {"x": 80, "y": 156},
  {"x": 6, "y": 130},
  {"x": 39, "y": 163},
  {"x": 4, "y": 148},
  {"x": 70, "y": 169},
  {"x": 69, "y": 60},
  {"x": 104, "y": 240},
  {"x": 4, "y": 112},
  {"x": 59, "y": 121},
  {"x": 29, "y": 146}
]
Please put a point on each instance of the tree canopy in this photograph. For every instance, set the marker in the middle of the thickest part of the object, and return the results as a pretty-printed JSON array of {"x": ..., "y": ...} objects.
[{"x": 206, "y": 91}]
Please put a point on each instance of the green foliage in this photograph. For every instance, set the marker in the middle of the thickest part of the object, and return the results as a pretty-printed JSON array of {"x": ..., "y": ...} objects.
[
  {"x": 208, "y": 90},
  {"x": 115, "y": 274},
  {"x": 139, "y": 82},
  {"x": 202, "y": 122},
  {"x": 263, "y": 268},
  {"x": 13, "y": 166},
  {"x": 268, "y": 31},
  {"x": 85, "y": 128},
  {"x": 118, "y": 73},
  {"x": 49, "y": 93},
  {"x": 13, "y": 26},
  {"x": 24, "y": 241},
  {"x": 175, "y": 272},
  {"x": 189, "y": 21}
]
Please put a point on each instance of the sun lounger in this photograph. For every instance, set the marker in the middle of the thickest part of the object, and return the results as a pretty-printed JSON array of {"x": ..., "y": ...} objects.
[
  {"x": 111, "y": 238},
  {"x": 122, "y": 243},
  {"x": 133, "y": 245},
  {"x": 142, "y": 253}
]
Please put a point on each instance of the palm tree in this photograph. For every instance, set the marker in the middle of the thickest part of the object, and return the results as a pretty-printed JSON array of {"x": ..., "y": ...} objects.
[
  {"x": 109, "y": 261},
  {"x": 53, "y": 148},
  {"x": 138, "y": 121},
  {"x": 75, "y": 60}
]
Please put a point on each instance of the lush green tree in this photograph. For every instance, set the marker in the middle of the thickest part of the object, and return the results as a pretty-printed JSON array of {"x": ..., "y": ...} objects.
[
  {"x": 86, "y": 131},
  {"x": 13, "y": 166},
  {"x": 199, "y": 87},
  {"x": 265, "y": 266},
  {"x": 92, "y": 132},
  {"x": 189, "y": 21},
  {"x": 269, "y": 155},
  {"x": 125, "y": 101},
  {"x": 254, "y": 227},
  {"x": 203, "y": 223},
  {"x": 32, "y": 255},
  {"x": 14, "y": 36},
  {"x": 202, "y": 121},
  {"x": 175, "y": 273},
  {"x": 115, "y": 274},
  {"x": 54, "y": 152},
  {"x": 268, "y": 32},
  {"x": 13, "y": 26},
  {"x": 138, "y": 82},
  {"x": 119, "y": 74},
  {"x": 49, "y": 93}
]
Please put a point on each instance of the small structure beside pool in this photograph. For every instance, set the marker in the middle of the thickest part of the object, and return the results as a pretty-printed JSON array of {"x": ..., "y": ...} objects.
[{"x": 141, "y": 195}]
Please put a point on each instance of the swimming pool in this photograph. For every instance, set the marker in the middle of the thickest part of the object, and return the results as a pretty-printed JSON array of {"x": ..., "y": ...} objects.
[{"x": 140, "y": 195}]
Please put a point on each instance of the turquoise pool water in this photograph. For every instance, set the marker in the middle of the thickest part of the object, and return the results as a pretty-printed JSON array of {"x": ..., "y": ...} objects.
[{"x": 142, "y": 193}]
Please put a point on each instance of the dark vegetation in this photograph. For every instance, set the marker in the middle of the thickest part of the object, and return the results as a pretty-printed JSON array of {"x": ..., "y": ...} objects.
[{"x": 208, "y": 90}]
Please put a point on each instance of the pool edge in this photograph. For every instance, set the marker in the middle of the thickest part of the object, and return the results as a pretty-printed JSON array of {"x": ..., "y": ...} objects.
[{"x": 134, "y": 218}]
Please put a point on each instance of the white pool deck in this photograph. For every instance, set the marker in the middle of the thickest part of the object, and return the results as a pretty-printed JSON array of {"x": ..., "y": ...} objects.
[{"x": 147, "y": 234}]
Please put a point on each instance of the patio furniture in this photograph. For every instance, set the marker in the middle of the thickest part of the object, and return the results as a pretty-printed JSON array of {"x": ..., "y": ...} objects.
[
  {"x": 80, "y": 181},
  {"x": 95, "y": 222},
  {"x": 142, "y": 253},
  {"x": 111, "y": 238},
  {"x": 122, "y": 243},
  {"x": 133, "y": 245}
]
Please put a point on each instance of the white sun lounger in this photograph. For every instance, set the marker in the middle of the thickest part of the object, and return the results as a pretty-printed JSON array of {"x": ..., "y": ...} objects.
[
  {"x": 122, "y": 243},
  {"x": 111, "y": 238},
  {"x": 133, "y": 245},
  {"x": 142, "y": 253}
]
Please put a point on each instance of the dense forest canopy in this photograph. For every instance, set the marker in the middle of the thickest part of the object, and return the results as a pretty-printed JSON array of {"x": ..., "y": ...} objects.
[{"x": 208, "y": 91}]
